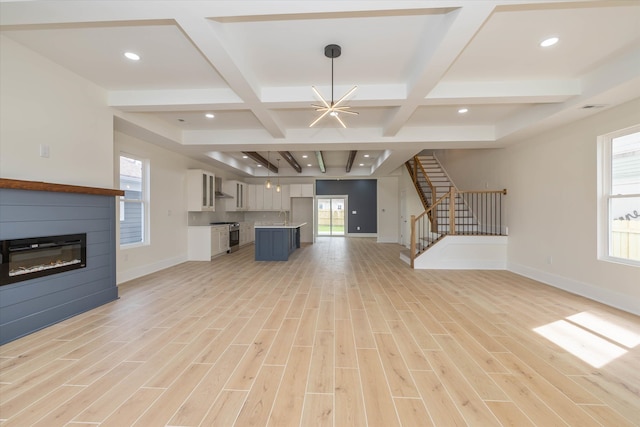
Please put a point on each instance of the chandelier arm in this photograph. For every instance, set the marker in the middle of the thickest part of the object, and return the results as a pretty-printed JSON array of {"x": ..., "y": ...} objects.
[
  {"x": 320, "y": 96},
  {"x": 344, "y": 97},
  {"x": 321, "y": 116},
  {"x": 341, "y": 122},
  {"x": 348, "y": 112}
]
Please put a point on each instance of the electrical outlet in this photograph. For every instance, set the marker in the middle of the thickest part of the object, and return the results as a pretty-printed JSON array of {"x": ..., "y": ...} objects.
[{"x": 549, "y": 260}]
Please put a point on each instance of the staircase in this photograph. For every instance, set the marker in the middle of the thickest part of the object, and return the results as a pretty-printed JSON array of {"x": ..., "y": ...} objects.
[
  {"x": 471, "y": 221},
  {"x": 436, "y": 184}
]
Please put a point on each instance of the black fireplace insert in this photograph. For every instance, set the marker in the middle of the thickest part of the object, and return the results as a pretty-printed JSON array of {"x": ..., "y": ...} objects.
[{"x": 25, "y": 259}]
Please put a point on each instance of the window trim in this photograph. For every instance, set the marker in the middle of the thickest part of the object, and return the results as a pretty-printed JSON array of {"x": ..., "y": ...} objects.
[
  {"x": 144, "y": 201},
  {"x": 605, "y": 181}
]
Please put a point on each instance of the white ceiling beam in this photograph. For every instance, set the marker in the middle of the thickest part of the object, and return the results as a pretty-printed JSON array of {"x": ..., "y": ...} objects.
[
  {"x": 338, "y": 136},
  {"x": 368, "y": 95},
  {"x": 171, "y": 100},
  {"x": 436, "y": 58},
  {"x": 374, "y": 95},
  {"x": 207, "y": 37},
  {"x": 76, "y": 11},
  {"x": 504, "y": 92}
]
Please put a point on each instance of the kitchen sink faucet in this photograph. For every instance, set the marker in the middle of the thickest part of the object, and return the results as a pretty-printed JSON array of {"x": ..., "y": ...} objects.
[{"x": 286, "y": 216}]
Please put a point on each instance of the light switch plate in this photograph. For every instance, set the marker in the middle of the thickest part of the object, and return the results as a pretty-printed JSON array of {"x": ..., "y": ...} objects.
[{"x": 44, "y": 151}]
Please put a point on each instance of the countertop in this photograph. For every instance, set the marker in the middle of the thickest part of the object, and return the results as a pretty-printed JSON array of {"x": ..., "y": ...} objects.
[{"x": 279, "y": 225}]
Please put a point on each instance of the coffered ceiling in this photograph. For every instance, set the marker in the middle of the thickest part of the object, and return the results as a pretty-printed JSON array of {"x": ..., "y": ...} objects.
[{"x": 416, "y": 64}]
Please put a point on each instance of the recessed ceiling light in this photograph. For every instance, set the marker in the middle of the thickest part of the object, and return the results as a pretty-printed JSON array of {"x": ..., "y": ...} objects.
[
  {"x": 463, "y": 110},
  {"x": 366, "y": 156},
  {"x": 304, "y": 156},
  {"x": 258, "y": 165},
  {"x": 245, "y": 157},
  {"x": 132, "y": 56},
  {"x": 308, "y": 165},
  {"x": 549, "y": 42},
  {"x": 361, "y": 164},
  {"x": 209, "y": 115}
]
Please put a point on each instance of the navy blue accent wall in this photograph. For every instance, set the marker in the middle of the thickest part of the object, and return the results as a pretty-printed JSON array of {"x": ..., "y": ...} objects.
[
  {"x": 31, "y": 305},
  {"x": 363, "y": 198}
]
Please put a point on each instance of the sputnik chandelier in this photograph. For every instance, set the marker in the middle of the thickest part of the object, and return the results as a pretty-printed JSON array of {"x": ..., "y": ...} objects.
[{"x": 333, "y": 109}]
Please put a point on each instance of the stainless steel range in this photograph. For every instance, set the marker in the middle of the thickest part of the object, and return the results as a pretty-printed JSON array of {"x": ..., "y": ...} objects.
[{"x": 234, "y": 234}]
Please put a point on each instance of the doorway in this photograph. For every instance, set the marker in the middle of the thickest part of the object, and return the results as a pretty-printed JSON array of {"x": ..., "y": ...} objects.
[{"x": 331, "y": 214}]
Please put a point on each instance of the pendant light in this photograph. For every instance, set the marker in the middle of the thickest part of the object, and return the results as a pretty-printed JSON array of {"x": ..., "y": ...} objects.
[
  {"x": 278, "y": 185},
  {"x": 268, "y": 183},
  {"x": 333, "y": 109}
]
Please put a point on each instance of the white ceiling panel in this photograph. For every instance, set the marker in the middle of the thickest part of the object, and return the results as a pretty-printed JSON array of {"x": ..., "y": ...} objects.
[{"x": 168, "y": 59}]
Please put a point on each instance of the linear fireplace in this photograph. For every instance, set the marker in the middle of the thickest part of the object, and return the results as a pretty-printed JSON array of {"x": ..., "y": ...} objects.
[{"x": 24, "y": 259}]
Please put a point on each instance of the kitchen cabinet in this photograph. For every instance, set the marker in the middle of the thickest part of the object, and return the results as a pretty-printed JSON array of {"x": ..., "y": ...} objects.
[
  {"x": 251, "y": 197},
  {"x": 301, "y": 190},
  {"x": 258, "y": 189},
  {"x": 219, "y": 239},
  {"x": 200, "y": 190},
  {"x": 247, "y": 233},
  {"x": 267, "y": 199},
  {"x": 281, "y": 201},
  {"x": 276, "y": 243},
  {"x": 206, "y": 242},
  {"x": 240, "y": 194},
  {"x": 263, "y": 199}
]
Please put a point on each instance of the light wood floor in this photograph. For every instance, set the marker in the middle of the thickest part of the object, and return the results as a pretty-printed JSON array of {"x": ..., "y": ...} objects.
[{"x": 344, "y": 334}]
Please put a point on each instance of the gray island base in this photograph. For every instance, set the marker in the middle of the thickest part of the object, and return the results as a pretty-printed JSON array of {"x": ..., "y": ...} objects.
[{"x": 275, "y": 242}]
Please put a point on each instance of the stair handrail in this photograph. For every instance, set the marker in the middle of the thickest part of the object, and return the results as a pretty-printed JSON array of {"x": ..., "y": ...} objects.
[
  {"x": 451, "y": 194},
  {"x": 416, "y": 161},
  {"x": 414, "y": 175},
  {"x": 415, "y": 219}
]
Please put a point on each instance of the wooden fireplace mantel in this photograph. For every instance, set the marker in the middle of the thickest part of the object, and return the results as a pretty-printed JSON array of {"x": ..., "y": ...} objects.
[{"x": 17, "y": 184}]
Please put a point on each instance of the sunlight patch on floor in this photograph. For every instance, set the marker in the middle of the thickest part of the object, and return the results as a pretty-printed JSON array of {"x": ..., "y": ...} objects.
[
  {"x": 607, "y": 328},
  {"x": 590, "y": 338}
]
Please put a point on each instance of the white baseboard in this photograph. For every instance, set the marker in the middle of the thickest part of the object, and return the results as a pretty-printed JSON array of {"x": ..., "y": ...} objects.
[
  {"x": 362, "y": 234},
  {"x": 604, "y": 296},
  {"x": 134, "y": 273}
]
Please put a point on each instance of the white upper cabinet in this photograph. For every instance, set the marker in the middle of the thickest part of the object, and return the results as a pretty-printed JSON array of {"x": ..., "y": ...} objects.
[
  {"x": 281, "y": 200},
  {"x": 268, "y": 199},
  {"x": 301, "y": 190},
  {"x": 200, "y": 190},
  {"x": 251, "y": 197},
  {"x": 239, "y": 191}
]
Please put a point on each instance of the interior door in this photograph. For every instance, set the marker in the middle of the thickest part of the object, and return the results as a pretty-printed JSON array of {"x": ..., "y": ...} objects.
[{"x": 331, "y": 214}]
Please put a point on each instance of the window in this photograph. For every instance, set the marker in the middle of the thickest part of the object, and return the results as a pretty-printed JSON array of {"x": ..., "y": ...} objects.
[
  {"x": 620, "y": 204},
  {"x": 134, "y": 203}
]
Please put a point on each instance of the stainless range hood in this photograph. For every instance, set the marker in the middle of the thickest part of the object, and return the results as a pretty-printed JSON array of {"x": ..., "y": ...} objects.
[{"x": 218, "y": 189}]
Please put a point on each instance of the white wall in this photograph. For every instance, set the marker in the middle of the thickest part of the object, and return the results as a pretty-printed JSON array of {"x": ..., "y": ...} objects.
[
  {"x": 168, "y": 215},
  {"x": 388, "y": 210},
  {"x": 552, "y": 205},
  {"x": 42, "y": 103}
]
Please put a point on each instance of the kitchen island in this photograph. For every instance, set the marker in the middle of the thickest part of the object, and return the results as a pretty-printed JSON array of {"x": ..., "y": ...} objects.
[{"x": 276, "y": 241}]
